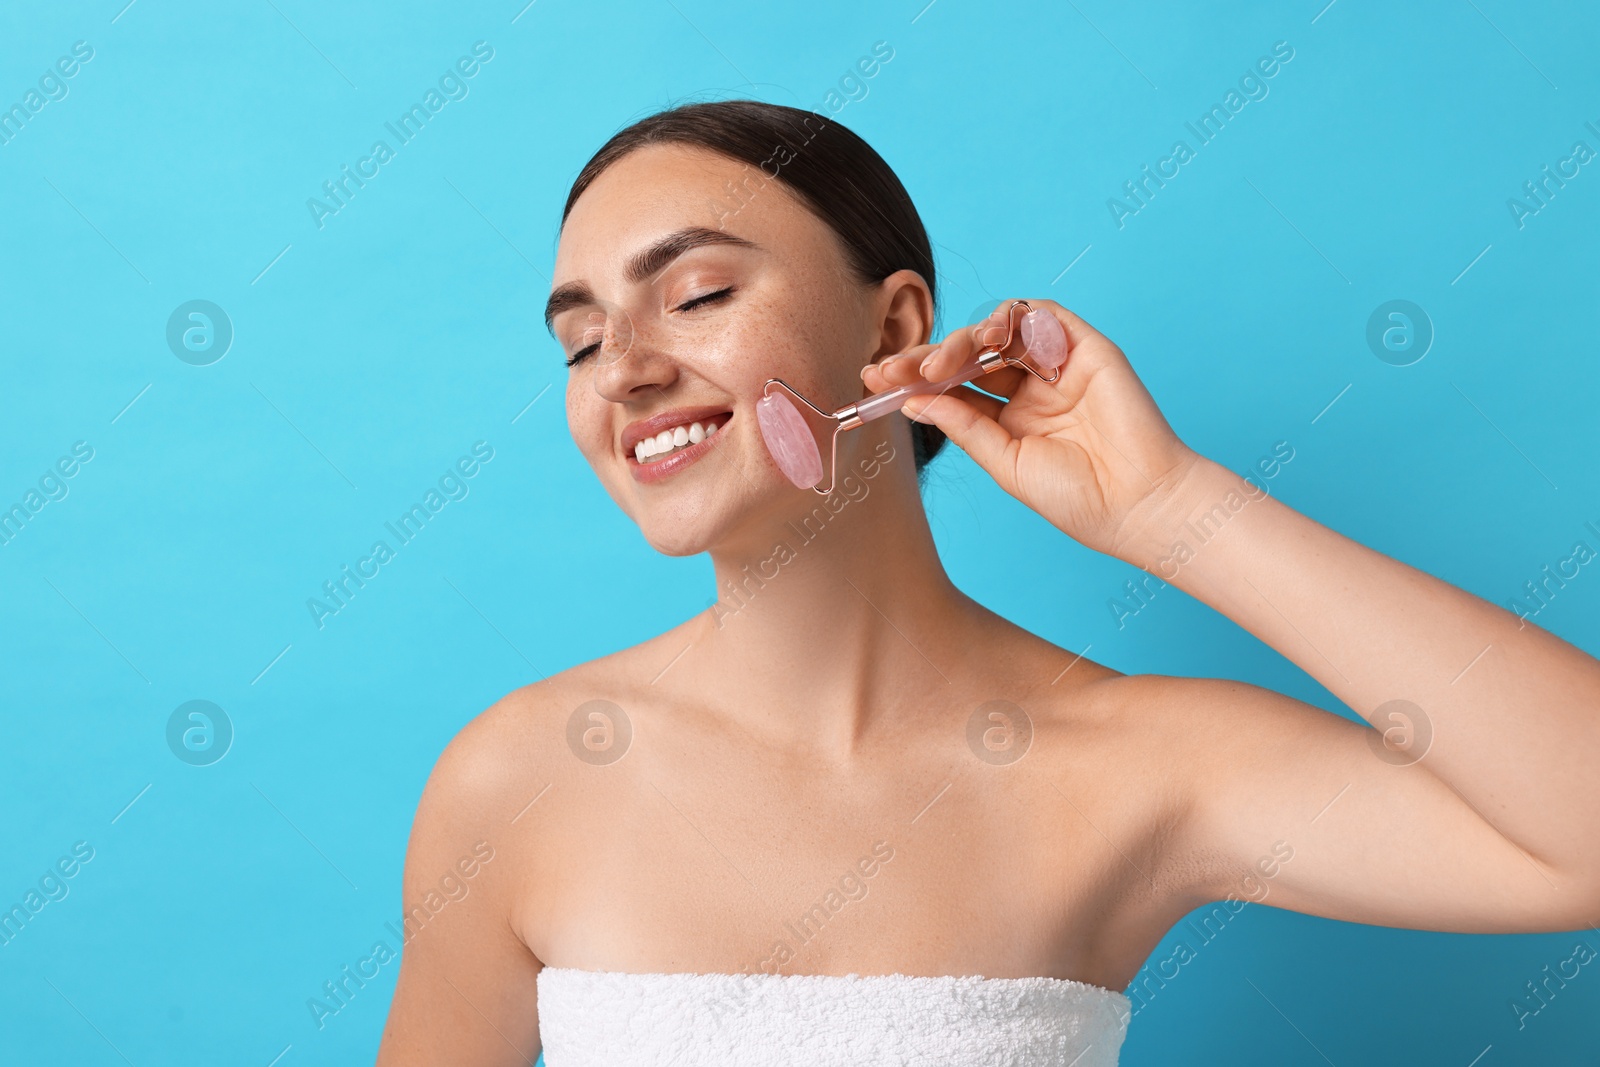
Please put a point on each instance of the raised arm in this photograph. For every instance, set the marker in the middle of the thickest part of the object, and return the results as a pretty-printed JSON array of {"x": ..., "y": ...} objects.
[
  {"x": 466, "y": 990},
  {"x": 1482, "y": 810},
  {"x": 1475, "y": 808}
]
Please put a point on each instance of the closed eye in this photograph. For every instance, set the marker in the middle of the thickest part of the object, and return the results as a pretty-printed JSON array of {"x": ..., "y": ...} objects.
[
  {"x": 688, "y": 305},
  {"x": 708, "y": 298}
]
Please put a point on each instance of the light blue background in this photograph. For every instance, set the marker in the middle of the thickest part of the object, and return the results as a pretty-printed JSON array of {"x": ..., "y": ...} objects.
[{"x": 371, "y": 353}]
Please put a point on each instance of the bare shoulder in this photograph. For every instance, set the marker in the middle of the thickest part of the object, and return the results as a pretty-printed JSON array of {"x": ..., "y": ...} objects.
[
  {"x": 1186, "y": 732},
  {"x": 520, "y": 740},
  {"x": 1188, "y": 709},
  {"x": 466, "y": 991}
]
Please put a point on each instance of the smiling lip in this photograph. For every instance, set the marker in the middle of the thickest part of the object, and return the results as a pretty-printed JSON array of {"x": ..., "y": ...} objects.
[
  {"x": 649, "y": 473},
  {"x": 635, "y": 432}
]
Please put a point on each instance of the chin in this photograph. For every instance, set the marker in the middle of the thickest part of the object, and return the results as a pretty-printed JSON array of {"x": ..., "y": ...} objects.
[
  {"x": 680, "y": 531},
  {"x": 688, "y": 527},
  {"x": 678, "y": 545}
]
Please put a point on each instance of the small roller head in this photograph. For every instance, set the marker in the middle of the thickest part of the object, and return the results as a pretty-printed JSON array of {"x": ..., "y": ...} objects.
[
  {"x": 790, "y": 440},
  {"x": 1044, "y": 339}
]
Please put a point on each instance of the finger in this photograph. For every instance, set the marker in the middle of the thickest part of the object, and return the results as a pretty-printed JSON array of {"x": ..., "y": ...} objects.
[
  {"x": 1078, "y": 331},
  {"x": 960, "y": 345},
  {"x": 933, "y": 362},
  {"x": 989, "y": 444},
  {"x": 988, "y": 406},
  {"x": 1000, "y": 331},
  {"x": 1088, "y": 351},
  {"x": 1003, "y": 382},
  {"x": 902, "y": 370},
  {"x": 898, "y": 369}
]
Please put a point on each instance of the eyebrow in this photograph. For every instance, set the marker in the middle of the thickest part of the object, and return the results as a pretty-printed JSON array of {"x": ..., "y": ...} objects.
[{"x": 643, "y": 265}]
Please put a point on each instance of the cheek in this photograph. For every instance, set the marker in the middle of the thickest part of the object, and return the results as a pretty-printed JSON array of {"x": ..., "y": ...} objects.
[
  {"x": 763, "y": 349},
  {"x": 779, "y": 340},
  {"x": 586, "y": 416}
]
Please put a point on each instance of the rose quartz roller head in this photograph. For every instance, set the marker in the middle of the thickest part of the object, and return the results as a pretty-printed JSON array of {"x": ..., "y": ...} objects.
[{"x": 793, "y": 446}]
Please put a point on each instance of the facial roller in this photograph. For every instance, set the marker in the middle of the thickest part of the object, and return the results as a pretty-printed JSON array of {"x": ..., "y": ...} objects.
[{"x": 795, "y": 448}]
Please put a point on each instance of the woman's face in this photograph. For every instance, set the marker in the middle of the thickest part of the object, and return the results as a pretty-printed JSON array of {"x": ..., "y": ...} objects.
[{"x": 666, "y": 335}]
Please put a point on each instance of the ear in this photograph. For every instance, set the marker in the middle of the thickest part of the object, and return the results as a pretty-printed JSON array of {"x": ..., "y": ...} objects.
[{"x": 905, "y": 309}]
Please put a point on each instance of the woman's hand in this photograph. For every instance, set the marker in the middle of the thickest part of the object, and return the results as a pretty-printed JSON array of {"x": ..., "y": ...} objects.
[{"x": 1091, "y": 452}]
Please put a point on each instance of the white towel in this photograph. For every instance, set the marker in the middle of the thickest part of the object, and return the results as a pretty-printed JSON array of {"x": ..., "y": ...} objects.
[{"x": 618, "y": 1019}]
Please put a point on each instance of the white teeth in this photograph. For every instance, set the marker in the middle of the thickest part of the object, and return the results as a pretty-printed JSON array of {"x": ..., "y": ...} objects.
[{"x": 675, "y": 438}]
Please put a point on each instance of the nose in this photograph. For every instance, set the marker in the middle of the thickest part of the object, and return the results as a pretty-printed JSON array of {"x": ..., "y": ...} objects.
[{"x": 632, "y": 366}]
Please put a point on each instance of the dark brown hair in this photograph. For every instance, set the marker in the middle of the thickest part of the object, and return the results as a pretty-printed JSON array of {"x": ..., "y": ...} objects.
[{"x": 835, "y": 173}]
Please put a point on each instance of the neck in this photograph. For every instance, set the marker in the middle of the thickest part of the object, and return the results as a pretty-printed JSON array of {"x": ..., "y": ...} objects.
[{"x": 837, "y": 616}]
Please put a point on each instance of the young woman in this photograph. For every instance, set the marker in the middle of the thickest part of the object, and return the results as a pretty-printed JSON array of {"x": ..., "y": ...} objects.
[{"x": 848, "y": 814}]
